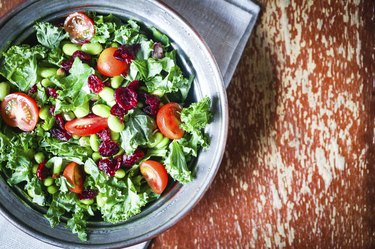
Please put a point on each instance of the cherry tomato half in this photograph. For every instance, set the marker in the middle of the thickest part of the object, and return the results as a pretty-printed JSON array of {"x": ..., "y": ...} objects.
[
  {"x": 80, "y": 27},
  {"x": 155, "y": 175},
  {"x": 20, "y": 110},
  {"x": 168, "y": 121},
  {"x": 86, "y": 126},
  {"x": 108, "y": 65},
  {"x": 74, "y": 175}
]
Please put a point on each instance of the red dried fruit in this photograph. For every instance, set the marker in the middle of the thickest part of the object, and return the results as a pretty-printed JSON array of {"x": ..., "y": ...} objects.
[
  {"x": 82, "y": 56},
  {"x": 126, "y": 98},
  {"x": 130, "y": 160},
  {"x": 152, "y": 103},
  {"x": 87, "y": 194},
  {"x": 133, "y": 85},
  {"x": 108, "y": 166},
  {"x": 42, "y": 172},
  {"x": 105, "y": 135},
  {"x": 116, "y": 110},
  {"x": 60, "y": 134},
  {"x": 126, "y": 53},
  {"x": 95, "y": 83},
  {"x": 33, "y": 89},
  {"x": 67, "y": 65},
  {"x": 118, "y": 161},
  {"x": 108, "y": 148},
  {"x": 60, "y": 121},
  {"x": 157, "y": 52},
  {"x": 52, "y": 92}
]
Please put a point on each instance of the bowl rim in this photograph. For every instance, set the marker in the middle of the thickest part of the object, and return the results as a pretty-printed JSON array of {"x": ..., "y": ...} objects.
[{"x": 218, "y": 158}]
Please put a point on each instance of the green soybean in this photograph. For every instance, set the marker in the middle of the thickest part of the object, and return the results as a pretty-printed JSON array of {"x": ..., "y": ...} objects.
[
  {"x": 115, "y": 136},
  {"x": 112, "y": 103},
  {"x": 35, "y": 168},
  {"x": 47, "y": 72},
  {"x": 163, "y": 143},
  {"x": 44, "y": 113},
  {"x": 46, "y": 83},
  {"x": 57, "y": 166},
  {"x": 107, "y": 94},
  {"x": 115, "y": 124},
  {"x": 158, "y": 93},
  {"x": 158, "y": 137},
  {"x": 116, "y": 81},
  {"x": 48, "y": 124},
  {"x": 4, "y": 90},
  {"x": 70, "y": 48},
  {"x": 92, "y": 48},
  {"x": 68, "y": 116},
  {"x": 115, "y": 45},
  {"x": 84, "y": 141},
  {"x": 120, "y": 173},
  {"x": 39, "y": 157},
  {"x": 82, "y": 110},
  {"x": 87, "y": 201},
  {"x": 94, "y": 142},
  {"x": 101, "y": 110},
  {"x": 52, "y": 189},
  {"x": 60, "y": 72},
  {"x": 96, "y": 156},
  {"x": 48, "y": 181}
]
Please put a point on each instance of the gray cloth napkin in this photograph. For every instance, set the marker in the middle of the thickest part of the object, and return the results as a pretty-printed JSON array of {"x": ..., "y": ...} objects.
[{"x": 225, "y": 25}]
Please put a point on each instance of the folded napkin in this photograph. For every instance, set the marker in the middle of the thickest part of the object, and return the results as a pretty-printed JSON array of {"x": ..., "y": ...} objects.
[{"x": 225, "y": 25}]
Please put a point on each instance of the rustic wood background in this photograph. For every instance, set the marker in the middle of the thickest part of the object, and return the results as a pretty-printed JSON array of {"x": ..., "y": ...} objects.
[{"x": 298, "y": 171}]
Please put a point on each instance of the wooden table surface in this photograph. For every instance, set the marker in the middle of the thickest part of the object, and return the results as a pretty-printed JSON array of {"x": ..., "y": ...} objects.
[{"x": 298, "y": 170}]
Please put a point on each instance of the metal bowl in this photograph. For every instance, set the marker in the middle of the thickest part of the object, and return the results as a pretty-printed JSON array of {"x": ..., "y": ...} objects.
[{"x": 196, "y": 59}]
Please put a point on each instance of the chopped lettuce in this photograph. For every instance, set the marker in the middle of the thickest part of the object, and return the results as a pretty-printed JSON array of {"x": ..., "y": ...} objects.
[
  {"x": 176, "y": 165},
  {"x": 48, "y": 35}
]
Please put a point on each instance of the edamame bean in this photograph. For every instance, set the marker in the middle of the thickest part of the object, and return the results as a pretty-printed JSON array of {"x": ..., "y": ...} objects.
[
  {"x": 76, "y": 137},
  {"x": 116, "y": 81},
  {"x": 4, "y": 90},
  {"x": 44, "y": 113},
  {"x": 70, "y": 48},
  {"x": 46, "y": 83},
  {"x": 47, "y": 72},
  {"x": 158, "y": 93},
  {"x": 120, "y": 173},
  {"x": 48, "y": 124},
  {"x": 92, "y": 48},
  {"x": 52, "y": 189},
  {"x": 84, "y": 141},
  {"x": 68, "y": 116},
  {"x": 115, "y": 124},
  {"x": 158, "y": 137},
  {"x": 57, "y": 166},
  {"x": 60, "y": 72},
  {"x": 112, "y": 103},
  {"x": 87, "y": 201},
  {"x": 163, "y": 143},
  {"x": 39, "y": 157},
  {"x": 48, "y": 181},
  {"x": 107, "y": 94},
  {"x": 115, "y": 45},
  {"x": 115, "y": 136},
  {"x": 82, "y": 110},
  {"x": 94, "y": 142},
  {"x": 101, "y": 110},
  {"x": 35, "y": 168},
  {"x": 96, "y": 156}
]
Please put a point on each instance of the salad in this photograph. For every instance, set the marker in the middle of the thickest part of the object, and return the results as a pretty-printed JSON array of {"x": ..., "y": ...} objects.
[{"x": 94, "y": 119}]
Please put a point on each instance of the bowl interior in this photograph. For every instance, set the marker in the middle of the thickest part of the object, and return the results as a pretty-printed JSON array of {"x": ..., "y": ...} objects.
[{"x": 194, "y": 58}]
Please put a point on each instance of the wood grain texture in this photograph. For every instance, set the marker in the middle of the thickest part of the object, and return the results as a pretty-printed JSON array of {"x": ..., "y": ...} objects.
[{"x": 298, "y": 170}]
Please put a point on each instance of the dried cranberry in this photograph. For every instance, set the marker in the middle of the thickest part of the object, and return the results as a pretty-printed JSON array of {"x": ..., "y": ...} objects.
[
  {"x": 33, "y": 89},
  {"x": 126, "y": 98},
  {"x": 52, "y": 92},
  {"x": 126, "y": 53},
  {"x": 152, "y": 103},
  {"x": 133, "y": 85},
  {"x": 60, "y": 134},
  {"x": 42, "y": 172},
  {"x": 87, "y": 194},
  {"x": 130, "y": 160},
  {"x": 105, "y": 135},
  {"x": 95, "y": 83},
  {"x": 116, "y": 110},
  {"x": 67, "y": 65},
  {"x": 60, "y": 121},
  {"x": 118, "y": 161},
  {"x": 108, "y": 148},
  {"x": 108, "y": 166},
  {"x": 157, "y": 52},
  {"x": 82, "y": 55}
]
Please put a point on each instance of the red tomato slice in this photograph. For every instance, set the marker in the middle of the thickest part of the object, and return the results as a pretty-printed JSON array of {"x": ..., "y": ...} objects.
[
  {"x": 168, "y": 121},
  {"x": 86, "y": 126},
  {"x": 80, "y": 27},
  {"x": 20, "y": 110},
  {"x": 108, "y": 65},
  {"x": 155, "y": 175},
  {"x": 74, "y": 175}
]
